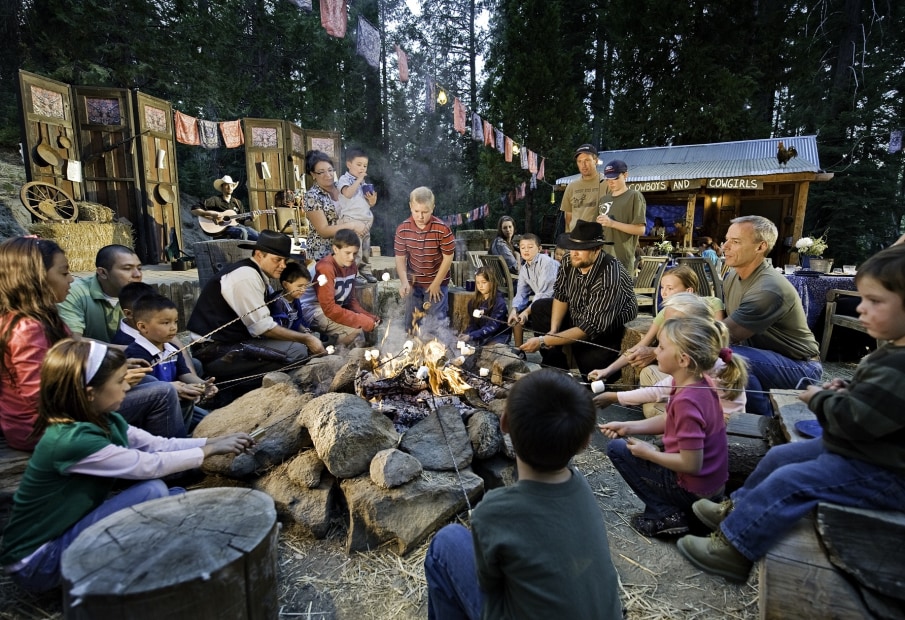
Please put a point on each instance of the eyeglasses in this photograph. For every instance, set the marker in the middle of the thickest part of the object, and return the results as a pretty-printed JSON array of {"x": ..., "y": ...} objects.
[{"x": 328, "y": 171}]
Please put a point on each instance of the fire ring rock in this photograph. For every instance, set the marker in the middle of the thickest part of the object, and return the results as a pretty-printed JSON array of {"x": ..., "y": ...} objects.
[
  {"x": 425, "y": 440},
  {"x": 347, "y": 432},
  {"x": 393, "y": 468}
]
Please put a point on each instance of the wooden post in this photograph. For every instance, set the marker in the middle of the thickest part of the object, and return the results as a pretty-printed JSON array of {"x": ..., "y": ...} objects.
[
  {"x": 458, "y": 307},
  {"x": 208, "y": 554}
]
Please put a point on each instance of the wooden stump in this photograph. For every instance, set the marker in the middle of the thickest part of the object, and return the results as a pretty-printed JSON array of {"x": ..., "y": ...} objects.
[
  {"x": 212, "y": 256},
  {"x": 458, "y": 307},
  {"x": 211, "y": 553},
  {"x": 366, "y": 294}
]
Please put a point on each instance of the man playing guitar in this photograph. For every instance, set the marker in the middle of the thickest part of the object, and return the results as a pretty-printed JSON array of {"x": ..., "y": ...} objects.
[{"x": 221, "y": 208}]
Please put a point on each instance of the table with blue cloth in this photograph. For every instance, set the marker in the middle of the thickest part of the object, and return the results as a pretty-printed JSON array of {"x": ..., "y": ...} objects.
[{"x": 813, "y": 289}]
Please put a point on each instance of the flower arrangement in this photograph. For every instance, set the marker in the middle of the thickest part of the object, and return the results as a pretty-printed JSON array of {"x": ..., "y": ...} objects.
[
  {"x": 808, "y": 246},
  {"x": 664, "y": 246}
]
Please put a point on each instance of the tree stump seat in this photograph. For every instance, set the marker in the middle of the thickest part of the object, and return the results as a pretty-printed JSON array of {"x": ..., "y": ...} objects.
[{"x": 208, "y": 554}]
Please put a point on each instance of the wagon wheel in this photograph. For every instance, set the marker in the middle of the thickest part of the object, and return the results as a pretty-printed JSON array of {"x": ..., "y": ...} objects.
[{"x": 48, "y": 202}]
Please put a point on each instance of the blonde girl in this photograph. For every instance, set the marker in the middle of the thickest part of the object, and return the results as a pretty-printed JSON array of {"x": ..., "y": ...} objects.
[
  {"x": 491, "y": 326},
  {"x": 653, "y": 394},
  {"x": 694, "y": 463},
  {"x": 84, "y": 447},
  {"x": 680, "y": 279}
]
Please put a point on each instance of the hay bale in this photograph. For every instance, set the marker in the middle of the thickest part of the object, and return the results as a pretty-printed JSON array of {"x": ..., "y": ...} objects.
[
  {"x": 82, "y": 240},
  {"x": 94, "y": 212}
]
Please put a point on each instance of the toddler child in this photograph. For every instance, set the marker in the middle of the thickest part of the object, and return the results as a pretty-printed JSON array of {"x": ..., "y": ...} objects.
[
  {"x": 858, "y": 462},
  {"x": 355, "y": 203},
  {"x": 538, "y": 548},
  {"x": 127, "y": 332},
  {"x": 491, "y": 326},
  {"x": 156, "y": 320},
  {"x": 694, "y": 463},
  {"x": 84, "y": 447}
]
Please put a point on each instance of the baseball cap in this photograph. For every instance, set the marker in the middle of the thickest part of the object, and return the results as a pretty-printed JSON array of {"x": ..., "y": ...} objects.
[
  {"x": 588, "y": 149},
  {"x": 614, "y": 169}
]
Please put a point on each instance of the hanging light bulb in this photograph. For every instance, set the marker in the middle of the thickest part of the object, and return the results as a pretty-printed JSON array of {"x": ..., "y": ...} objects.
[
  {"x": 441, "y": 97},
  {"x": 515, "y": 148}
]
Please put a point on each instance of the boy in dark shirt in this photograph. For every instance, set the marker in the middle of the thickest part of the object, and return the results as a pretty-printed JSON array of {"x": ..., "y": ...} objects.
[{"x": 537, "y": 549}]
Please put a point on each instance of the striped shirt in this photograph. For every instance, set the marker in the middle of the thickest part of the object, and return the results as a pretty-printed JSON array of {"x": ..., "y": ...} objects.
[
  {"x": 424, "y": 249},
  {"x": 599, "y": 300}
]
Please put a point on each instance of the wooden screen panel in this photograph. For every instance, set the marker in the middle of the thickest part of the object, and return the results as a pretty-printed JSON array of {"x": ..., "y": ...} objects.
[{"x": 265, "y": 154}]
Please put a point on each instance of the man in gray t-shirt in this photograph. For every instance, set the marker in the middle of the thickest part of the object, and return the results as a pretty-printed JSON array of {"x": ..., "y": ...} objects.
[{"x": 766, "y": 320}]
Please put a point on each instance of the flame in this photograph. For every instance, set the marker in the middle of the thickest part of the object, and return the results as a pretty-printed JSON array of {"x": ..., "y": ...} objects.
[{"x": 443, "y": 377}]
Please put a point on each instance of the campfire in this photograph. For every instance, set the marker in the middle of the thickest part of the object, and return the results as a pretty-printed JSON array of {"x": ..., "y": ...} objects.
[{"x": 424, "y": 375}]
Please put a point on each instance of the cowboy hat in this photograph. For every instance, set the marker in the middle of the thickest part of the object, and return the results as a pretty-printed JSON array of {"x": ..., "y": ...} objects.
[
  {"x": 226, "y": 179},
  {"x": 271, "y": 242},
  {"x": 585, "y": 236}
]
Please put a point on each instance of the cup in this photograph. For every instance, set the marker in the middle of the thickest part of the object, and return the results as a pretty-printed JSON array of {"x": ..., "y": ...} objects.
[
  {"x": 790, "y": 269},
  {"x": 367, "y": 188},
  {"x": 469, "y": 285},
  {"x": 849, "y": 270}
]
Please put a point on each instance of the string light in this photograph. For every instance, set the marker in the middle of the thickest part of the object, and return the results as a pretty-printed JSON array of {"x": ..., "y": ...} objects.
[
  {"x": 515, "y": 149},
  {"x": 442, "y": 98}
]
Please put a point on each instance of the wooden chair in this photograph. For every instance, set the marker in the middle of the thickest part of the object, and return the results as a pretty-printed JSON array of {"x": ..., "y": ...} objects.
[
  {"x": 647, "y": 284},
  {"x": 475, "y": 257},
  {"x": 500, "y": 271},
  {"x": 841, "y": 320},
  {"x": 709, "y": 282}
]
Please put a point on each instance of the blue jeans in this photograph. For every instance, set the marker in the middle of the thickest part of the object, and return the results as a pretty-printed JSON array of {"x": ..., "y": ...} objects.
[
  {"x": 790, "y": 480},
  {"x": 241, "y": 232},
  {"x": 438, "y": 313},
  {"x": 153, "y": 406},
  {"x": 654, "y": 485},
  {"x": 43, "y": 570},
  {"x": 452, "y": 580},
  {"x": 769, "y": 370}
]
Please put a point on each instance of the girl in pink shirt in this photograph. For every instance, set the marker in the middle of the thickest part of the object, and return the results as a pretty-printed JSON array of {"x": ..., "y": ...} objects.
[{"x": 694, "y": 463}]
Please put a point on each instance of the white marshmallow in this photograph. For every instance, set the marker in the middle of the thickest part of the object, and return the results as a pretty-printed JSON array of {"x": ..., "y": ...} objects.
[
  {"x": 330, "y": 349},
  {"x": 422, "y": 373},
  {"x": 375, "y": 353},
  {"x": 385, "y": 277},
  {"x": 478, "y": 313},
  {"x": 484, "y": 372},
  {"x": 408, "y": 346},
  {"x": 368, "y": 356},
  {"x": 460, "y": 345},
  {"x": 322, "y": 279},
  {"x": 459, "y": 361},
  {"x": 598, "y": 386}
]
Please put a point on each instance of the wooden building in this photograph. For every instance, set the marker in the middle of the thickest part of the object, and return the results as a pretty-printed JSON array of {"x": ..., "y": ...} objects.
[{"x": 702, "y": 187}]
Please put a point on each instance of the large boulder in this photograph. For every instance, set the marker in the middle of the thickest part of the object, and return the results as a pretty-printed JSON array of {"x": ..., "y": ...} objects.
[
  {"x": 393, "y": 468},
  {"x": 484, "y": 434},
  {"x": 347, "y": 432},
  {"x": 403, "y": 517},
  {"x": 273, "y": 409},
  {"x": 344, "y": 379},
  {"x": 431, "y": 443},
  {"x": 502, "y": 356},
  {"x": 317, "y": 374},
  {"x": 311, "y": 509}
]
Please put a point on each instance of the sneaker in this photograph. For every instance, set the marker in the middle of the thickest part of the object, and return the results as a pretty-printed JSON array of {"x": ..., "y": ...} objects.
[
  {"x": 667, "y": 527},
  {"x": 711, "y": 513},
  {"x": 369, "y": 278},
  {"x": 360, "y": 279},
  {"x": 714, "y": 554}
]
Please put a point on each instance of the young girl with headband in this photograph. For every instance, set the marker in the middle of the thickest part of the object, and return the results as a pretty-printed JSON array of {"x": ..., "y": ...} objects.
[
  {"x": 694, "y": 463},
  {"x": 84, "y": 447}
]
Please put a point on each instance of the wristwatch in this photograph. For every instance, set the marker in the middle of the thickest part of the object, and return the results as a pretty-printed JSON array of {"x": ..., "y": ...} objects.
[{"x": 543, "y": 345}]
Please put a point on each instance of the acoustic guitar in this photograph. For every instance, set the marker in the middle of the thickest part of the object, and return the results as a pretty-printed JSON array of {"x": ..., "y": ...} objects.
[{"x": 228, "y": 218}]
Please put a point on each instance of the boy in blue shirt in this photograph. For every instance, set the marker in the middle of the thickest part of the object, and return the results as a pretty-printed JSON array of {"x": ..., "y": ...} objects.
[{"x": 156, "y": 320}]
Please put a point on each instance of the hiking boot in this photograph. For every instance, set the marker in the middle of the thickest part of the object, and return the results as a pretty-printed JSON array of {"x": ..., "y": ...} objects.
[
  {"x": 667, "y": 527},
  {"x": 711, "y": 513},
  {"x": 369, "y": 278},
  {"x": 714, "y": 554}
]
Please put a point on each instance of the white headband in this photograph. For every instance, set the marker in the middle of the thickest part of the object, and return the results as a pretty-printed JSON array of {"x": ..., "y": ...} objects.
[{"x": 96, "y": 356}]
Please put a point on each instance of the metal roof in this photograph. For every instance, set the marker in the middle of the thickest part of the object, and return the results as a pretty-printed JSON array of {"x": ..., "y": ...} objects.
[{"x": 720, "y": 159}]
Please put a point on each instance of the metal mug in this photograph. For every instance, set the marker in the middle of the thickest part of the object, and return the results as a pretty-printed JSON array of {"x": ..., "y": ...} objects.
[{"x": 469, "y": 285}]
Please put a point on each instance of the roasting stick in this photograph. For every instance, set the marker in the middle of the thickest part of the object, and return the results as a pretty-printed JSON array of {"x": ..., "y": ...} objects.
[{"x": 480, "y": 313}]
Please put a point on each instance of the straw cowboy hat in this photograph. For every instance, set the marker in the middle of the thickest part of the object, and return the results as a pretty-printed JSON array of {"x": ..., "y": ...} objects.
[
  {"x": 228, "y": 180},
  {"x": 585, "y": 236},
  {"x": 270, "y": 242}
]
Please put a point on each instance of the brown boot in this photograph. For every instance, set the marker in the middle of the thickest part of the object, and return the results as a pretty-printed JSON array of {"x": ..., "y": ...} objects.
[
  {"x": 714, "y": 554},
  {"x": 711, "y": 513}
]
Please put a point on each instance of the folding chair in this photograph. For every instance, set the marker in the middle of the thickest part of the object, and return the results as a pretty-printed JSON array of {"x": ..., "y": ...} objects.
[{"x": 647, "y": 284}]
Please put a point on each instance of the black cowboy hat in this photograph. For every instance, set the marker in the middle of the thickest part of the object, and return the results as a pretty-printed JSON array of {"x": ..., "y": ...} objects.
[
  {"x": 270, "y": 242},
  {"x": 585, "y": 236}
]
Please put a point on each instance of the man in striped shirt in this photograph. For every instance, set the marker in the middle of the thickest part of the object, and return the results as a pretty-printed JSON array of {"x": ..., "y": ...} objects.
[
  {"x": 424, "y": 248},
  {"x": 593, "y": 299}
]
